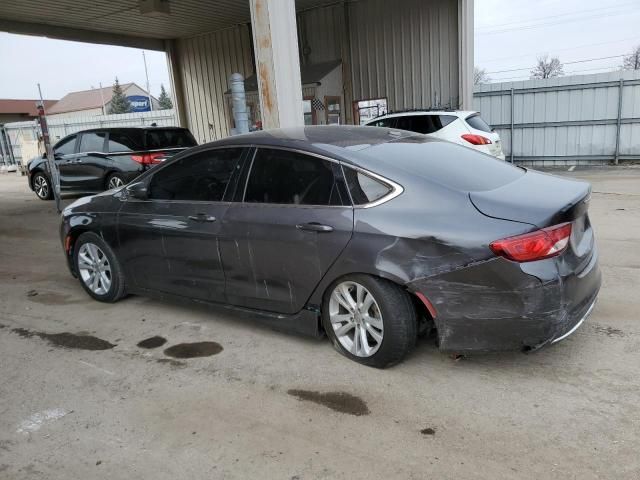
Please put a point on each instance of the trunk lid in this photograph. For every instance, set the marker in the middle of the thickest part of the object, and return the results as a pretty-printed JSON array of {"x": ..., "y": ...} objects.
[{"x": 535, "y": 198}]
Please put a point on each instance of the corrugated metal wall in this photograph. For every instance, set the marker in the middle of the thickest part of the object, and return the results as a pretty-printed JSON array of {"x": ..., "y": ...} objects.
[
  {"x": 406, "y": 51},
  {"x": 569, "y": 120},
  {"x": 207, "y": 62}
]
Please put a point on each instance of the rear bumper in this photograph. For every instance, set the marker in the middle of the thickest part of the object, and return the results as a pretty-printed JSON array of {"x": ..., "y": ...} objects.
[{"x": 497, "y": 306}]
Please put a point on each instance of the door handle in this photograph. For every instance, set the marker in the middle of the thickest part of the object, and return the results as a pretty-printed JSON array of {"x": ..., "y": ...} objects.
[
  {"x": 314, "y": 227},
  {"x": 201, "y": 218}
]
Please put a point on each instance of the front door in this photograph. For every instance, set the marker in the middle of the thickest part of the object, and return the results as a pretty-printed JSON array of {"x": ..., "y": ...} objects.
[
  {"x": 87, "y": 170},
  {"x": 169, "y": 242},
  {"x": 278, "y": 243}
]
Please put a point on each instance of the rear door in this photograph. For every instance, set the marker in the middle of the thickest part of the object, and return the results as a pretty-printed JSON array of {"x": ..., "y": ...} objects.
[
  {"x": 170, "y": 242},
  {"x": 292, "y": 222}
]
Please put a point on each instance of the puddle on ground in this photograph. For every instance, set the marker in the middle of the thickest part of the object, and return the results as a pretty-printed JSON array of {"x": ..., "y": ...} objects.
[
  {"x": 428, "y": 431},
  {"x": 192, "y": 350},
  {"x": 152, "y": 342},
  {"x": 339, "y": 401},
  {"x": 67, "y": 340},
  {"x": 173, "y": 363}
]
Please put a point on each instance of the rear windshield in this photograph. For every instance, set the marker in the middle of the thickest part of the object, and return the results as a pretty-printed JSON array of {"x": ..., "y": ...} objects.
[
  {"x": 169, "y": 138},
  {"x": 476, "y": 121},
  {"x": 454, "y": 166}
]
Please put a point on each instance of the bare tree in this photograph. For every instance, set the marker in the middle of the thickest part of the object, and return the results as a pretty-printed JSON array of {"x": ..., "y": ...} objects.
[
  {"x": 547, "y": 68},
  {"x": 632, "y": 61},
  {"x": 480, "y": 76}
]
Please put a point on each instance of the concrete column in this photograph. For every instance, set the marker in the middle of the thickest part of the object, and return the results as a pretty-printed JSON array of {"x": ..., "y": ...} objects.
[
  {"x": 465, "y": 53},
  {"x": 275, "y": 41},
  {"x": 177, "y": 86}
]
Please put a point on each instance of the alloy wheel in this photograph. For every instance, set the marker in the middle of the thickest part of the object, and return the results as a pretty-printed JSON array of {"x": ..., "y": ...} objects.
[
  {"x": 41, "y": 186},
  {"x": 94, "y": 268},
  {"x": 115, "y": 182},
  {"x": 356, "y": 319}
]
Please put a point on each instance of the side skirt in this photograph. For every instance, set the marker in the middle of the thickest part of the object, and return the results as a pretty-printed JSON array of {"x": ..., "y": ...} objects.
[{"x": 306, "y": 322}]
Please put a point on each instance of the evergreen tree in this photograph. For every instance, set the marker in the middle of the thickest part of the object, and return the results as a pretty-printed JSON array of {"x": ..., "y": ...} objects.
[
  {"x": 164, "y": 100},
  {"x": 119, "y": 103}
]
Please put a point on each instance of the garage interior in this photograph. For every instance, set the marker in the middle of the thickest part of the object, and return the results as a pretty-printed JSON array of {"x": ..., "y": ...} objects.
[{"x": 402, "y": 55}]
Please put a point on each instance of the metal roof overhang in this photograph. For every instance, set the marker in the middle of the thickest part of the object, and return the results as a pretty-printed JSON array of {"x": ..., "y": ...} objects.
[{"x": 119, "y": 22}]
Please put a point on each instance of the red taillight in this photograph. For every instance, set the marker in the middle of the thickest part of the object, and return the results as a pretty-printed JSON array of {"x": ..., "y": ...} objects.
[
  {"x": 476, "y": 139},
  {"x": 148, "y": 158},
  {"x": 537, "y": 245}
]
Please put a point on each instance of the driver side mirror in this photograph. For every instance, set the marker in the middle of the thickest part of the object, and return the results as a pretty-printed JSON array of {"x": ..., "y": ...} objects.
[{"x": 138, "y": 190}]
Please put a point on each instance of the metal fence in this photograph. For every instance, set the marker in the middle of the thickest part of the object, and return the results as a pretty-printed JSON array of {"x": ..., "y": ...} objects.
[
  {"x": 15, "y": 137},
  {"x": 576, "y": 120}
]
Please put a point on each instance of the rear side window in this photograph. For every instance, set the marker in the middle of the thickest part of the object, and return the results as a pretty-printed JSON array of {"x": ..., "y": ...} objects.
[
  {"x": 292, "y": 178},
  {"x": 169, "y": 138},
  {"x": 364, "y": 189},
  {"x": 66, "y": 146},
  {"x": 446, "y": 120},
  {"x": 92, "y": 142},
  {"x": 476, "y": 121},
  {"x": 124, "y": 142},
  {"x": 202, "y": 177}
]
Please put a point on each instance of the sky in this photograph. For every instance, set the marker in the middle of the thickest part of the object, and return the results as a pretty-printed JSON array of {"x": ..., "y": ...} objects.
[
  {"x": 62, "y": 67},
  {"x": 509, "y": 35}
]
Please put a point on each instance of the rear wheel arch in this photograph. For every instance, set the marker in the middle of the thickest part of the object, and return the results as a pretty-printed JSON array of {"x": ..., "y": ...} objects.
[{"x": 398, "y": 315}]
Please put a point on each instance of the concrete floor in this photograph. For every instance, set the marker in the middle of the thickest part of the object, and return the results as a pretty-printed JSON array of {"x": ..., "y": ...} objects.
[{"x": 569, "y": 411}]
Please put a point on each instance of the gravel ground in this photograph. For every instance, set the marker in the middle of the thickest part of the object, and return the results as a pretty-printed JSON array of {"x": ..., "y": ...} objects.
[{"x": 79, "y": 398}]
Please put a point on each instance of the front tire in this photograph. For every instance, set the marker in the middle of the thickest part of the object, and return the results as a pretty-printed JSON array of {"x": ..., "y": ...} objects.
[
  {"x": 98, "y": 269},
  {"x": 370, "y": 320},
  {"x": 42, "y": 186}
]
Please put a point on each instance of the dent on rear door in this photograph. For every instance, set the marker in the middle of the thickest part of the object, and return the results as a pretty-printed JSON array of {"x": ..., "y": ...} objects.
[{"x": 269, "y": 264}]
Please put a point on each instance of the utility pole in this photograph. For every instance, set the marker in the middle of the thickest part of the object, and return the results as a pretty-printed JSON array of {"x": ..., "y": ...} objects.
[
  {"x": 54, "y": 176},
  {"x": 104, "y": 108},
  {"x": 146, "y": 73}
]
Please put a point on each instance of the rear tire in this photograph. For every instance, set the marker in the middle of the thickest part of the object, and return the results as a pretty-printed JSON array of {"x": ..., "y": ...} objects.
[
  {"x": 42, "y": 186},
  {"x": 369, "y": 320},
  {"x": 115, "y": 180},
  {"x": 98, "y": 269}
]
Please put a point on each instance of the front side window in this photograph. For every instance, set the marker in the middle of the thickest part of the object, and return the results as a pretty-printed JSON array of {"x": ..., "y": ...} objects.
[
  {"x": 66, "y": 146},
  {"x": 364, "y": 188},
  {"x": 291, "y": 178},
  {"x": 92, "y": 142},
  {"x": 202, "y": 177}
]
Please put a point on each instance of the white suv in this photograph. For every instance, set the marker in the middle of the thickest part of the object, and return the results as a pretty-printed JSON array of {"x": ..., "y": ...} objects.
[{"x": 458, "y": 126}]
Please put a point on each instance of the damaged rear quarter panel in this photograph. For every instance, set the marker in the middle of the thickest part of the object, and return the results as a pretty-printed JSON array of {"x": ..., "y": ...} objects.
[{"x": 407, "y": 240}]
